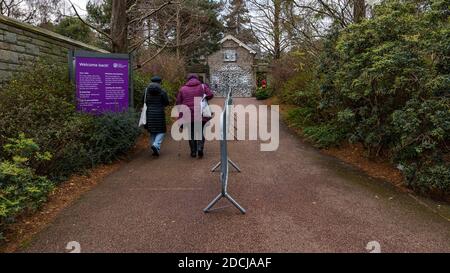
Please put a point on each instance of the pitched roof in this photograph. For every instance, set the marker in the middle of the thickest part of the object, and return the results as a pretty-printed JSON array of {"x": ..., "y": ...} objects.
[{"x": 240, "y": 43}]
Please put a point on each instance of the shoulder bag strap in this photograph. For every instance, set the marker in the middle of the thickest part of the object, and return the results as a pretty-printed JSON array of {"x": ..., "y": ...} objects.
[
  {"x": 204, "y": 92},
  {"x": 145, "y": 95}
]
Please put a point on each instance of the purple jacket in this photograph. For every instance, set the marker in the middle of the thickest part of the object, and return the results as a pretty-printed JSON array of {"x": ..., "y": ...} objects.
[{"x": 191, "y": 89}]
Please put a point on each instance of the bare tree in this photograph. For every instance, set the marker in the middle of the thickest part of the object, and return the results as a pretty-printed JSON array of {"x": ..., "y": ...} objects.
[
  {"x": 304, "y": 28},
  {"x": 36, "y": 12},
  {"x": 46, "y": 11},
  {"x": 267, "y": 26},
  {"x": 15, "y": 9},
  {"x": 127, "y": 17},
  {"x": 307, "y": 21},
  {"x": 178, "y": 27},
  {"x": 339, "y": 11}
]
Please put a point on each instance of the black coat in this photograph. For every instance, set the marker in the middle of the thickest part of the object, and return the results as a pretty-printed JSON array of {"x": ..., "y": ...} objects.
[{"x": 156, "y": 101}]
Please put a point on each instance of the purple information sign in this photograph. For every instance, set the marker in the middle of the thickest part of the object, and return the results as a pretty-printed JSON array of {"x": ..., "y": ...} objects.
[{"x": 102, "y": 84}]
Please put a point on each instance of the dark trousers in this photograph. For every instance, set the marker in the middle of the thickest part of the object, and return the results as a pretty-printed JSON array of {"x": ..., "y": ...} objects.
[{"x": 195, "y": 143}]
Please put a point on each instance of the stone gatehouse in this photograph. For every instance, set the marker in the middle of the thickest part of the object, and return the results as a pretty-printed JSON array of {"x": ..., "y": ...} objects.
[{"x": 232, "y": 66}]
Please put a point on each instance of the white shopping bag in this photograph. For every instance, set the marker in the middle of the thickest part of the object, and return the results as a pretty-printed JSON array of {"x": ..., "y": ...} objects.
[
  {"x": 204, "y": 106},
  {"x": 143, "y": 118},
  {"x": 206, "y": 111}
]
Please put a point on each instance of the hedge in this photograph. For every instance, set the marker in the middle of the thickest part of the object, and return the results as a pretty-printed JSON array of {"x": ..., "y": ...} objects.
[
  {"x": 385, "y": 82},
  {"x": 44, "y": 140}
]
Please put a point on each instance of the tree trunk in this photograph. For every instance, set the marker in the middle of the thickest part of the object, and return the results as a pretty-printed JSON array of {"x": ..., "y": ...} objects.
[
  {"x": 160, "y": 30},
  {"x": 277, "y": 29},
  {"x": 178, "y": 31},
  {"x": 359, "y": 10},
  {"x": 119, "y": 26}
]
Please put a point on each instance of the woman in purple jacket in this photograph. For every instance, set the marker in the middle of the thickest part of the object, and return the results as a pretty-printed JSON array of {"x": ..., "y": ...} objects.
[{"x": 192, "y": 89}]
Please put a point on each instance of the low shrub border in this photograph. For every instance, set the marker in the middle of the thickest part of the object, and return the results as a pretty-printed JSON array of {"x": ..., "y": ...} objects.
[{"x": 44, "y": 140}]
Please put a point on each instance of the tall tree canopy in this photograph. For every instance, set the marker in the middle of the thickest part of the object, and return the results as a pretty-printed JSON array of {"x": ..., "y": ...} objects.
[
  {"x": 237, "y": 21},
  {"x": 268, "y": 25},
  {"x": 99, "y": 15},
  {"x": 189, "y": 28}
]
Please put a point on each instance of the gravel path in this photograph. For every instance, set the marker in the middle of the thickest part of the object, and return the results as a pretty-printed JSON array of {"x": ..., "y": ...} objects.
[{"x": 297, "y": 200}]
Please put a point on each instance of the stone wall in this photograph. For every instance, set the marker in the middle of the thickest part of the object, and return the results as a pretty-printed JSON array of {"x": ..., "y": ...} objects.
[
  {"x": 240, "y": 74},
  {"x": 21, "y": 44}
]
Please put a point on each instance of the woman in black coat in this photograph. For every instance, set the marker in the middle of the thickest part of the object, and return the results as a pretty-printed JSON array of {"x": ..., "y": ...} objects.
[{"x": 156, "y": 99}]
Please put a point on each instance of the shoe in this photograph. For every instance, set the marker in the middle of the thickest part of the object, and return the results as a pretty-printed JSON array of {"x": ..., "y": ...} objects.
[
  {"x": 193, "y": 154},
  {"x": 200, "y": 153},
  {"x": 155, "y": 151}
]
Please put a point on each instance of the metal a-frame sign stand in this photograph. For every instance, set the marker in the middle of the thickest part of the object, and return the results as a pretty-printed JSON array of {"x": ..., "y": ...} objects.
[{"x": 224, "y": 160}]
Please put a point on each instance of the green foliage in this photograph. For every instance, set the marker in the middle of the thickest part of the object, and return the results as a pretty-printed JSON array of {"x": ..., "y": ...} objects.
[
  {"x": 237, "y": 20},
  {"x": 172, "y": 89},
  {"x": 39, "y": 103},
  {"x": 429, "y": 178},
  {"x": 324, "y": 135},
  {"x": 205, "y": 14},
  {"x": 422, "y": 128},
  {"x": 262, "y": 93},
  {"x": 385, "y": 82},
  {"x": 95, "y": 140},
  {"x": 393, "y": 76},
  {"x": 140, "y": 83},
  {"x": 321, "y": 134},
  {"x": 72, "y": 27},
  {"x": 294, "y": 73},
  {"x": 113, "y": 135},
  {"x": 20, "y": 188},
  {"x": 99, "y": 15},
  {"x": 301, "y": 89},
  {"x": 300, "y": 117}
]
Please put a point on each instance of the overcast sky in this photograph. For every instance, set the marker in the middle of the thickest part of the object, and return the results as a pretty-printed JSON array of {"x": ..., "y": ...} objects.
[{"x": 80, "y": 5}]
